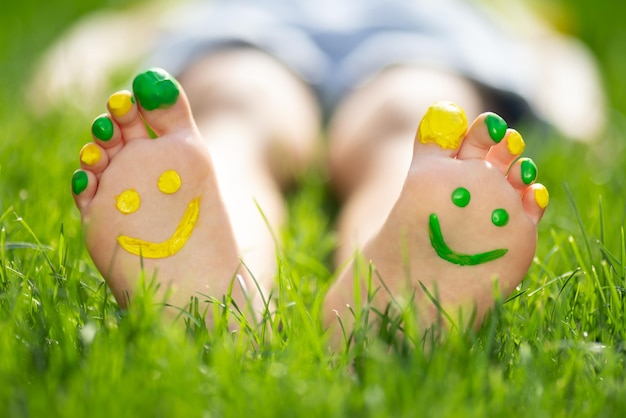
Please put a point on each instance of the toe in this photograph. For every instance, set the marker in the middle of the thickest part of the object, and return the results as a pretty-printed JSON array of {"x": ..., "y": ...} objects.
[
  {"x": 93, "y": 158},
  {"x": 124, "y": 111},
  {"x": 522, "y": 174},
  {"x": 84, "y": 184},
  {"x": 162, "y": 102},
  {"x": 535, "y": 200},
  {"x": 503, "y": 154},
  {"x": 441, "y": 130},
  {"x": 487, "y": 130},
  {"x": 107, "y": 134}
]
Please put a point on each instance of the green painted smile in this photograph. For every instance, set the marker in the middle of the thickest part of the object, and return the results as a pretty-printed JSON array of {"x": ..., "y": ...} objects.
[{"x": 443, "y": 251}]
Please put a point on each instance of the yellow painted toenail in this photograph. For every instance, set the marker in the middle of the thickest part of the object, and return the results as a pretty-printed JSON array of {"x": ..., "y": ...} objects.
[
  {"x": 515, "y": 143},
  {"x": 128, "y": 202},
  {"x": 542, "y": 197},
  {"x": 169, "y": 182},
  {"x": 444, "y": 124},
  {"x": 90, "y": 154},
  {"x": 120, "y": 103}
]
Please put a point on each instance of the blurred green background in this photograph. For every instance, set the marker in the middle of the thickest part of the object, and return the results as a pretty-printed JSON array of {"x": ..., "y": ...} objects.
[{"x": 28, "y": 27}]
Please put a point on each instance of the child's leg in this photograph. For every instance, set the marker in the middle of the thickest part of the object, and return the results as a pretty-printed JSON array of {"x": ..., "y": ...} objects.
[
  {"x": 261, "y": 125},
  {"x": 155, "y": 205},
  {"x": 438, "y": 213}
]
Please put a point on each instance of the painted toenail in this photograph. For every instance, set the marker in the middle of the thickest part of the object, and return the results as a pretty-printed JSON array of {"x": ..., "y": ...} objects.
[
  {"x": 90, "y": 154},
  {"x": 102, "y": 128},
  {"x": 542, "y": 197},
  {"x": 169, "y": 182},
  {"x": 79, "y": 182},
  {"x": 443, "y": 124},
  {"x": 515, "y": 143},
  {"x": 496, "y": 126},
  {"x": 500, "y": 217},
  {"x": 120, "y": 103},
  {"x": 461, "y": 197},
  {"x": 155, "y": 89},
  {"x": 128, "y": 202},
  {"x": 528, "y": 170}
]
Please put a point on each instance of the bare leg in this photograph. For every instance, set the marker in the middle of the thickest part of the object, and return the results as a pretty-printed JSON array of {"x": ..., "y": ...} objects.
[{"x": 261, "y": 125}]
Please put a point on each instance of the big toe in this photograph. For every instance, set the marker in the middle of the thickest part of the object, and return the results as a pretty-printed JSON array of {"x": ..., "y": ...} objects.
[
  {"x": 162, "y": 102},
  {"x": 441, "y": 130}
]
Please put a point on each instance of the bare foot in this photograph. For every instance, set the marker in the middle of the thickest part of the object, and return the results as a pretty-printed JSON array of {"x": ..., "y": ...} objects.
[
  {"x": 466, "y": 218},
  {"x": 153, "y": 205}
]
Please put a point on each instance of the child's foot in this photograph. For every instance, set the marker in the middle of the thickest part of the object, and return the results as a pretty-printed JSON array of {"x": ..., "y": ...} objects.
[
  {"x": 153, "y": 205},
  {"x": 462, "y": 221}
]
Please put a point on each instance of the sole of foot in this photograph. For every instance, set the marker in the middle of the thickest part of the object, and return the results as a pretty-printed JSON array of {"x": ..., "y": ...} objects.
[
  {"x": 463, "y": 229},
  {"x": 151, "y": 207}
]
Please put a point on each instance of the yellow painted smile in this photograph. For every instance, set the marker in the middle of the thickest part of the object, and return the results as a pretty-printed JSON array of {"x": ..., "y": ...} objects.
[{"x": 170, "y": 246}]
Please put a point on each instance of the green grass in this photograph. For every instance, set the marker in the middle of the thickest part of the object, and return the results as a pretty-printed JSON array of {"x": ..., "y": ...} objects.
[{"x": 554, "y": 348}]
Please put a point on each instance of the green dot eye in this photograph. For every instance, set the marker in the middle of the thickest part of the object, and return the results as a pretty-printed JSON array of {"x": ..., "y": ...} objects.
[
  {"x": 500, "y": 217},
  {"x": 461, "y": 197}
]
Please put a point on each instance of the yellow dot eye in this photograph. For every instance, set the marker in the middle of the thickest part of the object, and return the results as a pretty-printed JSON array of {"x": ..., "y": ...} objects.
[
  {"x": 128, "y": 202},
  {"x": 169, "y": 182}
]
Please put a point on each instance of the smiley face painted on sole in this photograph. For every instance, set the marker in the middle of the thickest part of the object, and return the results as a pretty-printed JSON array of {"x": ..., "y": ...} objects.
[
  {"x": 129, "y": 202},
  {"x": 461, "y": 197}
]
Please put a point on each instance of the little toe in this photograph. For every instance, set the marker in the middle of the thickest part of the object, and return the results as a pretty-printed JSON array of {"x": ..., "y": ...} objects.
[
  {"x": 503, "y": 154},
  {"x": 535, "y": 200},
  {"x": 162, "y": 102},
  {"x": 487, "y": 130},
  {"x": 522, "y": 174},
  {"x": 93, "y": 158},
  {"x": 441, "y": 130},
  {"x": 84, "y": 185},
  {"x": 124, "y": 111}
]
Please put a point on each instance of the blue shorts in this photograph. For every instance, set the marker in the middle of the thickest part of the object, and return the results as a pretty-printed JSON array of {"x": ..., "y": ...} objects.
[{"x": 334, "y": 45}]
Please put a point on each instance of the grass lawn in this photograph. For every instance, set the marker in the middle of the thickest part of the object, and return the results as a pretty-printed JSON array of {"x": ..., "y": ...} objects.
[{"x": 554, "y": 349}]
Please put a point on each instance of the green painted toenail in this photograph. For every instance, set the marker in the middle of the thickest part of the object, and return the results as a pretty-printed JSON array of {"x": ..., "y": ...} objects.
[
  {"x": 500, "y": 217},
  {"x": 155, "y": 89},
  {"x": 102, "y": 128},
  {"x": 461, "y": 197},
  {"x": 496, "y": 126},
  {"x": 529, "y": 170},
  {"x": 79, "y": 182}
]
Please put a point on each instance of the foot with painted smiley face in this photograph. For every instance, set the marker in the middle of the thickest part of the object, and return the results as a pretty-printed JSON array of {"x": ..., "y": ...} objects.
[
  {"x": 465, "y": 221},
  {"x": 152, "y": 206}
]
